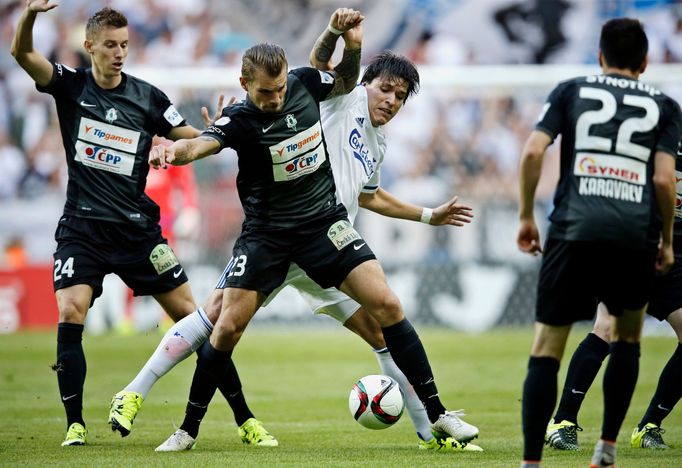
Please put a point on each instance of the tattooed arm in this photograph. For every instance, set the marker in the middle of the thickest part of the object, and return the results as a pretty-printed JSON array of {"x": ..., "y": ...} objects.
[{"x": 348, "y": 23}]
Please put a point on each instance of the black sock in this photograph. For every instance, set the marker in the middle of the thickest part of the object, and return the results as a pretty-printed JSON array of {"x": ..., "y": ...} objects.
[
  {"x": 537, "y": 403},
  {"x": 408, "y": 353},
  {"x": 204, "y": 385},
  {"x": 620, "y": 379},
  {"x": 668, "y": 391},
  {"x": 582, "y": 371},
  {"x": 231, "y": 388},
  {"x": 71, "y": 369}
]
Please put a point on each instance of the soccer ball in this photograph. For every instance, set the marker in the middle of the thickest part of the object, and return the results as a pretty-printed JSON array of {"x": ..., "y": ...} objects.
[{"x": 376, "y": 401}]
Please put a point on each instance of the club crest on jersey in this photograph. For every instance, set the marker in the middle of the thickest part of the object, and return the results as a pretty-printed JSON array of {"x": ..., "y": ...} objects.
[
  {"x": 291, "y": 121},
  {"x": 111, "y": 115}
]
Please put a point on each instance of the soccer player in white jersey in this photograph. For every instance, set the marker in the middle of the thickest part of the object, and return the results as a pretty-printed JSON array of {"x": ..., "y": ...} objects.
[{"x": 352, "y": 125}]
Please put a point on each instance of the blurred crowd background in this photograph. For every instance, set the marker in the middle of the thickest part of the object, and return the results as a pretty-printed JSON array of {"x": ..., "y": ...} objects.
[{"x": 446, "y": 141}]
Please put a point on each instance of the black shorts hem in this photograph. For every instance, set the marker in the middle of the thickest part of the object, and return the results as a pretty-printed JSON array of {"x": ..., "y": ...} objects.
[{"x": 344, "y": 272}]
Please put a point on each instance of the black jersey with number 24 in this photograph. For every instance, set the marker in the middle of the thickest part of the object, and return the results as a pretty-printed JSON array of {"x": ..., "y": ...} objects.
[
  {"x": 107, "y": 134},
  {"x": 611, "y": 128}
]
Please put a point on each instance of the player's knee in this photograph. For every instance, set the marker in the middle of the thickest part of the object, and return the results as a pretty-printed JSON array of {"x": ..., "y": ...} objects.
[
  {"x": 71, "y": 312},
  {"x": 228, "y": 330},
  {"x": 387, "y": 309}
]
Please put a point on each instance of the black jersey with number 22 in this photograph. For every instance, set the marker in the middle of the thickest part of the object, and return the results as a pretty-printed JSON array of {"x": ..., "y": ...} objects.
[{"x": 611, "y": 128}]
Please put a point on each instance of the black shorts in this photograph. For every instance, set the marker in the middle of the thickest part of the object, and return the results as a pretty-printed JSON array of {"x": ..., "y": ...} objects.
[
  {"x": 576, "y": 276},
  {"x": 327, "y": 250},
  {"x": 87, "y": 250},
  {"x": 666, "y": 295}
]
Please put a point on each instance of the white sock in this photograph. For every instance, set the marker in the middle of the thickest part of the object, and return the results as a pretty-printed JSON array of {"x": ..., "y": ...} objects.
[
  {"x": 412, "y": 403},
  {"x": 183, "y": 338}
]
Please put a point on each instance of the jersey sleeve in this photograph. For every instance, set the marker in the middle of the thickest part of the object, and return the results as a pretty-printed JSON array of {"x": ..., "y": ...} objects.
[
  {"x": 164, "y": 112},
  {"x": 224, "y": 130},
  {"x": 671, "y": 128},
  {"x": 66, "y": 82},
  {"x": 374, "y": 183},
  {"x": 318, "y": 83},
  {"x": 552, "y": 115}
]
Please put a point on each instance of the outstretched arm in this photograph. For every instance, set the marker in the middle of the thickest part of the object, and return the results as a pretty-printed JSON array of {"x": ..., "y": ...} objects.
[
  {"x": 344, "y": 22},
  {"x": 182, "y": 152},
  {"x": 386, "y": 204},
  {"x": 35, "y": 64}
]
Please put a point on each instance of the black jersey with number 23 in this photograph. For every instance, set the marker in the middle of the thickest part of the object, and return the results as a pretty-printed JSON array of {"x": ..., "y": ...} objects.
[
  {"x": 285, "y": 177},
  {"x": 611, "y": 127}
]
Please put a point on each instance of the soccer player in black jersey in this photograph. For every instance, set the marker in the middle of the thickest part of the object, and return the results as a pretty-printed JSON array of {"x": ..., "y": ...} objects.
[
  {"x": 665, "y": 304},
  {"x": 611, "y": 228},
  {"x": 109, "y": 225},
  {"x": 287, "y": 192}
]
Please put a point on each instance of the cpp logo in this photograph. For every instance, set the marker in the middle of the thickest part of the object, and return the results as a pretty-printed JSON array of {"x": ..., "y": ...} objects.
[
  {"x": 301, "y": 163},
  {"x": 97, "y": 153}
]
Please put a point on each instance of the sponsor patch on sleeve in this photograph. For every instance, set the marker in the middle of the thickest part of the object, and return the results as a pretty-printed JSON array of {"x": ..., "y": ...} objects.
[
  {"x": 172, "y": 116},
  {"x": 163, "y": 258},
  {"x": 326, "y": 77},
  {"x": 222, "y": 121},
  {"x": 342, "y": 233}
]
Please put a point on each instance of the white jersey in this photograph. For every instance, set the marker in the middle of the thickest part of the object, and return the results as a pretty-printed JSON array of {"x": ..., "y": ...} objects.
[{"x": 356, "y": 148}]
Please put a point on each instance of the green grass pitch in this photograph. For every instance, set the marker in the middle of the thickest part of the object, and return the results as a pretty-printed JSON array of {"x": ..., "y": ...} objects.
[{"x": 297, "y": 382}]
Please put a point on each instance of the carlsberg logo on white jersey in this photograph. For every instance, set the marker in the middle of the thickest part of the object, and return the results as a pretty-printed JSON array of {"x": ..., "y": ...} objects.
[{"x": 297, "y": 156}]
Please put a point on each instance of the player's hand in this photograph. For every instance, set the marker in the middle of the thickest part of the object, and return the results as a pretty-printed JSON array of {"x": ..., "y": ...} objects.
[
  {"x": 208, "y": 121},
  {"x": 665, "y": 258},
  {"x": 451, "y": 213},
  {"x": 161, "y": 156},
  {"x": 40, "y": 6},
  {"x": 343, "y": 19},
  {"x": 528, "y": 238},
  {"x": 353, "y": 37}
]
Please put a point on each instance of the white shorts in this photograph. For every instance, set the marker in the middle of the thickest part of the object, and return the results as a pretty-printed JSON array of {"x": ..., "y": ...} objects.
[{"x": 328, "y": 301}]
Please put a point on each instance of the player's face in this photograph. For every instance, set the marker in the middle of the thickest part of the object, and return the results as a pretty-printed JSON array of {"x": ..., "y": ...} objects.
[
  {"x": 385, "y": 97},
  {"x": 109, "y": 50},
  {"x": 265, "y": 91}
]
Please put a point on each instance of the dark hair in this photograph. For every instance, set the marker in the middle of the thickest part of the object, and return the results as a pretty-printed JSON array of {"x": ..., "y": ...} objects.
[
  {"x": 393, "y": 66},
  {"x": 105, "y": 18},
  {"x": 624, "y": 44},
  {"x": 268, "y": 57}
]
